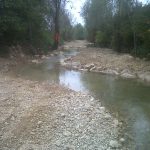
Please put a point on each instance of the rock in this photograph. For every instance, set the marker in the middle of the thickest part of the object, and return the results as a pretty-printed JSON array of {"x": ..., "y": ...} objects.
[
  {"x": 22, "y": 55},
  {"x": 116, "y": 122},
  {"x": 127, "y": 75},
  {"x": 63, "y": 115},
  {"x": 82, "y": 69},
  {"x": 63, "y": 63},
  {"x": 127, "y": 56},
  {"x": 66, "y": 133},
  {"x": 61, "y": 52},
  {"x": 56, "y": 53},
  {"x": 68, "y": 59},
  {"x": 144, "y": 76},
  {"x": 89, "y": 66},
  {"x": 107, "y": 116},
  {"x": 125, "y": 71},
  {"x": 99, "y": 68},
  {"x": 35, "y": 61},
  {"x": 32, "y": 133},
  {"x": 58, "y": 143},
  {"x": 51, "y": 54},
  {"x": 43, "y": 57},
  {"x": 122, "y": 140},
  {"x": 39, "y": 122},
  {"x": 102, "y": 109},
  {"x": 12, "y": 118},
  {"x": 76, "y": 64},
  {"x": 37, "y": 56},
  {"x": 6, "y": 123},
  {"x": 70, "y": 147},
  {"x": 114, "y": 144},
  {"x": 110, "y": 71},
  {"x": 93, "y": 68}
]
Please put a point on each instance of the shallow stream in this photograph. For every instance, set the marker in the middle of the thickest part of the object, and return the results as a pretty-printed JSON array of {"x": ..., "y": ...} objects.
[{"x": 128, "y": 99}]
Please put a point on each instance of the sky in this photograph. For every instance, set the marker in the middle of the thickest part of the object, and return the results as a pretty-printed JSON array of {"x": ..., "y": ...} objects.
[{"x": 75, "y": 8}]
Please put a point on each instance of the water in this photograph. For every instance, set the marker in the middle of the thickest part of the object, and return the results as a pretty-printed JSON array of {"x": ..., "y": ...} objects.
[{"x": 130, "y": 99}]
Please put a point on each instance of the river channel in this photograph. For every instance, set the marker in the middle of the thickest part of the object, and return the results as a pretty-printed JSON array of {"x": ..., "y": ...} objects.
[{"x": 127, "y": 99}]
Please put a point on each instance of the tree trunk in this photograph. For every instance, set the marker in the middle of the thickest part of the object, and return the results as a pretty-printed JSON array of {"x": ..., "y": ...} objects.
[{"x": 57, "y": 32}]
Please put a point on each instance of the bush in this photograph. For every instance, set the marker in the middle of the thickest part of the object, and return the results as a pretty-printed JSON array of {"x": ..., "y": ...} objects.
[{"x": 101, "y": 39}]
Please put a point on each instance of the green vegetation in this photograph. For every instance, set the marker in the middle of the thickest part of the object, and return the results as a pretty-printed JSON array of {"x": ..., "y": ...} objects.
[
  {"x": 122, "y": 25},
  {"x": 79, "y": 32},
  {"x": 33, "y": 22}
]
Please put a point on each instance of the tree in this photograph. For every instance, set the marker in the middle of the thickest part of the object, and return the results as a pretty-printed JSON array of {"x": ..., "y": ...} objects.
[
  {"x": 32, "y": 22},
  {"x": 120, "y": 24},
  {"x": 57, "y": 6},
  {"x": 79, "y": 32}
]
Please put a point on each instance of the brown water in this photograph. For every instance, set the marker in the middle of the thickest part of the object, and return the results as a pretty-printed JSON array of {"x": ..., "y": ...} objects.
[{"x": 129, "y": 99}]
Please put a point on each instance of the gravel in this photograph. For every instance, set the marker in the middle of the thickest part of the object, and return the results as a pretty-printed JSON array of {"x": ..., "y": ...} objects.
[
  {"x": 45, "y": 116},
  {"x": 107, "y": 61}
]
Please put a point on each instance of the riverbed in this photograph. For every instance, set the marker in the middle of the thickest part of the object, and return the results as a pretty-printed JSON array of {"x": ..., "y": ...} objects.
[{"x": 127, "y": 99}]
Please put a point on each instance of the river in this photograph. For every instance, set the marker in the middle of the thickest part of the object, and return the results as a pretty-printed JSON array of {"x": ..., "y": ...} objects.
[{"x": 127, "y": 99}]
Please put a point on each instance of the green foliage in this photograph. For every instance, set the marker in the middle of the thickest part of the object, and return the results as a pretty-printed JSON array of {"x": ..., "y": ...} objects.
[
  {"x": 30, "y": 21},
  {"x": 101, "y": 39},
  {"x": 123, "y": 25},
  {"x": 66, "y": 28},
  {"x": 79, "y": 32}
]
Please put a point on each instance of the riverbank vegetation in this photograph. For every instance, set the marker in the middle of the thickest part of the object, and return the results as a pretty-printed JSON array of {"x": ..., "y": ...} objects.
[
  {"x": 34, "y": 23},
  {"x": 38, "y": 26},
  {"x": 121, "y": 25}
]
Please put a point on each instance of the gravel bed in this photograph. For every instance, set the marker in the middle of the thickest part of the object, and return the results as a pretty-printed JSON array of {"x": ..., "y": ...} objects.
[{"x": 45, "y": 116}]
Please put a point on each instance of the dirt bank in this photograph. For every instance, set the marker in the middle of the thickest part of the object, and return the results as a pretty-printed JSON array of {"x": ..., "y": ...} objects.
[{"x": 107, "y": 61}]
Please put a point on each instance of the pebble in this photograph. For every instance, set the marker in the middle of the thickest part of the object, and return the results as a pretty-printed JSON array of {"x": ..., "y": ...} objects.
[
  {"x": 39, "y": 122},
  {"x": 122, "y": 140},
  {"x": 114, "y": 144},
  {"x": 66, "y": 133},
  {"x": 12, "y": 118},
  {"x": 116, "y": 122}
]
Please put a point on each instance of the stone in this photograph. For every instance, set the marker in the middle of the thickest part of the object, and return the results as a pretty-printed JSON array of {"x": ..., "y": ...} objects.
[
  {"x": 107, "y": 116},
  {"x": 144, "y": 76},
  {"x": 66, "y": 133},
  {"x": 68, "y": 59},
  {"x": 102, "y": 108},
  {"x": 127, "y": 75},
  {"x": 63, "y": 115},
  {"x": 12, "y": 118},
  {"x": 114, "y": 144},
  {"x": 58, "y": 143},
  {"x": 35, "y": 61},
  {"x": 93, "y": 68},
  {"x": 89, "y": 66},
  {"x": 122, "y": 140},
  {"x": 116, "y": 122},
  {"x": 70, "y": 147},
  {"x": 39, "y": 122},
  {"x": 99, "y": 68},
  {"x": 51, "y": 54},
  {"x": 110, "y": 71},
  {"x": 43, "y": 57}
]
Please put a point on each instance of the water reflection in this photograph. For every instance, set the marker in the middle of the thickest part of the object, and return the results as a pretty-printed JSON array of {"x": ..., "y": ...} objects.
[
  {"x": 72, "y": 80},
  {"x": 129, "y": 98}
]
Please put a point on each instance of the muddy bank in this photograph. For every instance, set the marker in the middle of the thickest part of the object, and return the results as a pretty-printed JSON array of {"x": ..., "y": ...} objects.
[{"x": 108, "y": 62}]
